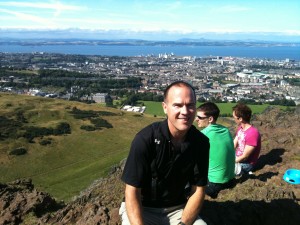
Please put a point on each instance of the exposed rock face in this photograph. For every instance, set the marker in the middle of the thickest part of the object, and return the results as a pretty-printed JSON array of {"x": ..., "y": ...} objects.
[
  {"x": 263, "y": 198},
  {"x": 19, "y": 198}
]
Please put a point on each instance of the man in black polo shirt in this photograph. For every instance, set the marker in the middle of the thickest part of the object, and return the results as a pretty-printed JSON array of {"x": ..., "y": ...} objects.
[{"x": 164, "y": 157}]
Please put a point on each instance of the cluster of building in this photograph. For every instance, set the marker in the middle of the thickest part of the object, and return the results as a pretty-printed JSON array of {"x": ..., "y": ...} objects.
[
  {"x": 129, "y": 108},
  {"x": 224, "y": 78}
]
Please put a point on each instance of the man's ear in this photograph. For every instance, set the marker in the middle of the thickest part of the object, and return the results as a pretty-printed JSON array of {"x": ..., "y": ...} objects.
[
  {"x": 164, "y": 105},
  {"x": 210, "y": 119}
]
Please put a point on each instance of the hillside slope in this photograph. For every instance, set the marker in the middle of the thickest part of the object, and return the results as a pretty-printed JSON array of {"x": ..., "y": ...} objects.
[
  {"x": 67, "y": 144},
  {"x": 263, "y": 198}
]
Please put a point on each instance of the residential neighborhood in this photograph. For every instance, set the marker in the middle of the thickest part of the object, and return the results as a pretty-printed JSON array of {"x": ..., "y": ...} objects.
[{"x": 218, "y": 77}]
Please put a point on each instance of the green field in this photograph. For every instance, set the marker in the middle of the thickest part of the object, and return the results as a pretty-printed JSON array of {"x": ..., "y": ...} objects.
[
  {"x": 155, "y": 108},
  {"x": 72, "y": 161}
]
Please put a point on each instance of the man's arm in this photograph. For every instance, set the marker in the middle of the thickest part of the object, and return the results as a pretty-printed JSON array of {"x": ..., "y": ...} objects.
[
  {"x": 235, "y": 142},
  {"x": 133, "y": 205},
  {"x": 193, "y": 205},
  {"x": 247, "y": 152}
]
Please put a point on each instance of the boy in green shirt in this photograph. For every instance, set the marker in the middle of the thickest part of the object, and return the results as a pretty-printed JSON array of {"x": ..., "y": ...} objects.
[{"x": 222, "y": 155}]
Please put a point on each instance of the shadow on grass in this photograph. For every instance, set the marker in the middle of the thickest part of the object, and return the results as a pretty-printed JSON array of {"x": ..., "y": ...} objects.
[
  {"x": 246, "y": 212},
  {"x": 265, "y": 176},
  {"x": 262, "y": 177},
  {"x": 271, "y": 158}
]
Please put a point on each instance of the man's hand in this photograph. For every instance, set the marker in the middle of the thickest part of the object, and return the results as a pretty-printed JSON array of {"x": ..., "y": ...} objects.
[{"x": 193, "y": 205}]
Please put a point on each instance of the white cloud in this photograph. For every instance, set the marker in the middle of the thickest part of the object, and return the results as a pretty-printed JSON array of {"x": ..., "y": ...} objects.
[
  {"x": 41, "y": 5},
  {"x": 292, "y": 32},
  {"x": 28, "y": 17},
  {"x": 56, "y": 6},
  {"x": 230, "y": 9},
  {"x": 174, "y": 5}
]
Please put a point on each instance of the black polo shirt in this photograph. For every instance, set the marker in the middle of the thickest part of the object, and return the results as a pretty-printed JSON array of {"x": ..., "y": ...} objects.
[{"x": 175, "y": 166}]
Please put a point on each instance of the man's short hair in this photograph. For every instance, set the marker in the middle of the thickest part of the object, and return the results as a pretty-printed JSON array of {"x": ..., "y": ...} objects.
[
  {"x": 242, "y": 111},
  {"x": 178, "y": 83},
  {"x": 210, "y": 109}
]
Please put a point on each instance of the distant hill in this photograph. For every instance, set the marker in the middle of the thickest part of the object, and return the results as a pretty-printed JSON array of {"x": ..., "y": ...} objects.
[
  {"x": 140, "y": 42},
  {"x": 117, "y": 35}
]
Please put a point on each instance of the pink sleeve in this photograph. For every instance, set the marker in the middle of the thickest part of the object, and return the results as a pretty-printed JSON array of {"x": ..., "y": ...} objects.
[{"x": 252, "y": 137}]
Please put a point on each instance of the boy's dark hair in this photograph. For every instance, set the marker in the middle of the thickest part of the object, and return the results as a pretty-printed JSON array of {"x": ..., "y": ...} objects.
[
  {"x": 242, "y": 111},
  {"x": 178, "y": 83},
  {"x": 210, "y": 109}
]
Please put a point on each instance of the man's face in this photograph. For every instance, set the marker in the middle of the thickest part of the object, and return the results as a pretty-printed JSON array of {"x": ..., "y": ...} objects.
[
  {"x": 201, "y": 119},
  {"x": 180, "y": 108}
]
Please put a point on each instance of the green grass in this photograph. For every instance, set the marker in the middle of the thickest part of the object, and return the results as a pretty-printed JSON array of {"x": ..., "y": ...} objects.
[
  {"x": 227, "y": 108},
  {"x": 71, "y": 162},
  {"x": 155, "y": 108}
]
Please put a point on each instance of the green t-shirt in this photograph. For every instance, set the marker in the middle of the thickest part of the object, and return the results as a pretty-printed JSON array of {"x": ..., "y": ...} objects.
[{"x": 221, "y": 154}]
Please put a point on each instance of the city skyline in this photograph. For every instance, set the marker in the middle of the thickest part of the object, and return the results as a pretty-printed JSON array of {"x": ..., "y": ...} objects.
[{"x": 152, "y": 20}]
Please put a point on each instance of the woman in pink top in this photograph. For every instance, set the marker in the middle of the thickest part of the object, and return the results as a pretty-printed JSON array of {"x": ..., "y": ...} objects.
[{"x": 247, "y": 142}]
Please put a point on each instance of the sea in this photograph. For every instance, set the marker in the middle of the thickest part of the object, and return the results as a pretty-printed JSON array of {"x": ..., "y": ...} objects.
[{"x": 268, "y": 52}]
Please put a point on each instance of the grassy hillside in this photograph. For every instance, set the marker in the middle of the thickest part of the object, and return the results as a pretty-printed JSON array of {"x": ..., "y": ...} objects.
[{"x": 67, "y": 163}]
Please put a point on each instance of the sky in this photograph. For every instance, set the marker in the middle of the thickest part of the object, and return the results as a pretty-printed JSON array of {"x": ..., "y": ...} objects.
[{"x": 150, "y": 18}]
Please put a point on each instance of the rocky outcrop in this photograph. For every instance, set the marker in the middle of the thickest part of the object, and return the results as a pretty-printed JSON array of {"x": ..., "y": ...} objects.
[
  {"x": 20, "y": 199},
  {"x": 262, "y": 198}
]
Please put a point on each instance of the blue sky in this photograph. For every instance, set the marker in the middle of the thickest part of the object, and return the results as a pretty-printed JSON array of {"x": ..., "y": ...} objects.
[{"x": 132, "y": 17}]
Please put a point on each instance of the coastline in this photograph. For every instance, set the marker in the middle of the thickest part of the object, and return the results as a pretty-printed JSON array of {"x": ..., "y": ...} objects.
[{"x": 266, "y": 52}]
